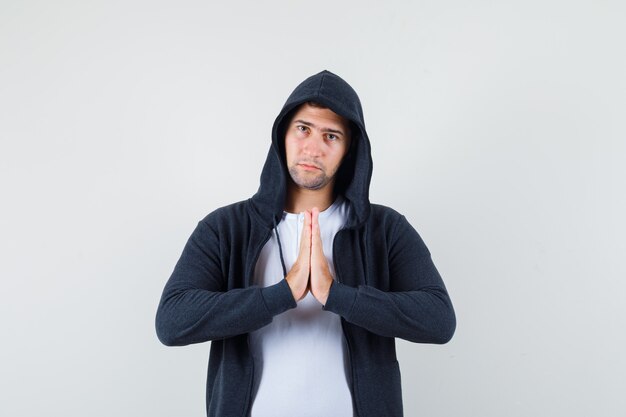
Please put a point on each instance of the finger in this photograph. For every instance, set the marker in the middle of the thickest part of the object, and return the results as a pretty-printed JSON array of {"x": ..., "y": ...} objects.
[
  {"x": 306, "y": 232},
  {"x": 316, "y": 240},
  {"x": 307, "y": 222},
  {"x": 315, "y": 213}
]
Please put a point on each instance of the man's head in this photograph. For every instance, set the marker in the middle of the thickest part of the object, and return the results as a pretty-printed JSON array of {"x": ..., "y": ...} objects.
[{"x": 316, "y": 142}]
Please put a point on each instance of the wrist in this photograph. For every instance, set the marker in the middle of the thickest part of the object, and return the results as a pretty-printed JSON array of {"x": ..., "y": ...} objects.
[{"x": 324, "y": 296}]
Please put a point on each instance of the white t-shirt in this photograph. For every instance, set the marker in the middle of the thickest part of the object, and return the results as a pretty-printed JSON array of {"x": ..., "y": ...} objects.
[{"x": 301, "y": 363}]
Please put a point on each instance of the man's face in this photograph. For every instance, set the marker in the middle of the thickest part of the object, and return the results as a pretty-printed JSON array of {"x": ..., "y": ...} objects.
[{"x": 316, "y": 141}]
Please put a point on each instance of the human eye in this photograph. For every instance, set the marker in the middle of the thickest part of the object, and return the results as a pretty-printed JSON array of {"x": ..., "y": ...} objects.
[
  {"x": 302, "y": 128},
  {"x": 332, "y": 137}
]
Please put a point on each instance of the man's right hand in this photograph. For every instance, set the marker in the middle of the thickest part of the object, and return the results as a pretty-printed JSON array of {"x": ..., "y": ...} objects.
[{"x": 298, "y": 276}]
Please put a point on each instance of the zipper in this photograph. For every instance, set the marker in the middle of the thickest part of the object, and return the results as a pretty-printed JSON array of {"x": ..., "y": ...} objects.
[
  {"x": 249, "y": 393},
  {"x": 343, "y": 329}
]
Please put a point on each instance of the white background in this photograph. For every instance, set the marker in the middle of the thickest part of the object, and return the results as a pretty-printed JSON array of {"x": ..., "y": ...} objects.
[{"x": 497, "y": 128}]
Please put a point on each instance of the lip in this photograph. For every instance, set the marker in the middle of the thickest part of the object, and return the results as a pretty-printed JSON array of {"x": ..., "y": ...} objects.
[{"x": 310, "y": 167}]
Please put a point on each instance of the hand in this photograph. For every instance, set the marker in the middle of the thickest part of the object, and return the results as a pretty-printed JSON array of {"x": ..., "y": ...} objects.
[
  {"x": 298, "y": 276},
  {"x": 321, "y": 279}
]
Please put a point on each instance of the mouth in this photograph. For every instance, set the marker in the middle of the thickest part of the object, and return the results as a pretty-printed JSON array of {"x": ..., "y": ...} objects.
[{"x": 310, "y": 167}]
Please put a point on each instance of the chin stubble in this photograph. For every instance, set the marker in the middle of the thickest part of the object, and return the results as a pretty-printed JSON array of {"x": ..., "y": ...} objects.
[{"x": 313, "y": 184}]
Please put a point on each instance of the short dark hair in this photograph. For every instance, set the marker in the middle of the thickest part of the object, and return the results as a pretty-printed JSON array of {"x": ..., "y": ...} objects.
[{"x": 316, "y": 104}]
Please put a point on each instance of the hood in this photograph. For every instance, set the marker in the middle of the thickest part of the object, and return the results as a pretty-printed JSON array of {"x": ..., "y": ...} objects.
[{"x": 353, "y": 178}]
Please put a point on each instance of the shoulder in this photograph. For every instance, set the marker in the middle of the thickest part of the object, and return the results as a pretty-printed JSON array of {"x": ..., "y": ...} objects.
[
  {"x": 385, "y": 216},
  {"x": 234, "y": 213},
  {"x": 400, "y": 232},
  {"x": 394, "y": 223},
  {"x": 383, "y": 221},
  {"x": 382, "y": 212},
  {"x": 224, "y": 224}
]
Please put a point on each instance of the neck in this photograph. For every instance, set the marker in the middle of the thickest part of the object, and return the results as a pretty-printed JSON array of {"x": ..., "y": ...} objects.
[{"x": 301, "y": 199}]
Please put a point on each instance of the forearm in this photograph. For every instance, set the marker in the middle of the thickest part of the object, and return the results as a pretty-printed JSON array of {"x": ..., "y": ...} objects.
[
  {"x": 415, "y": 304},
  {"x": 196, "y": 305},
  {"x": 189, "y": 315},
  {"x": 424, "y": 316}
]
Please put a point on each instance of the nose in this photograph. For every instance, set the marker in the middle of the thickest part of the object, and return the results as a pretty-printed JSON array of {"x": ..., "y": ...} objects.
[{"x": 313, "y": 145}]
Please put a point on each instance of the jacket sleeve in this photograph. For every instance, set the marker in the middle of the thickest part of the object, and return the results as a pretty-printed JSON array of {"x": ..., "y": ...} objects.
[
  {"x": 417, "y": 307},
  {"x": 195, "y": 305}
]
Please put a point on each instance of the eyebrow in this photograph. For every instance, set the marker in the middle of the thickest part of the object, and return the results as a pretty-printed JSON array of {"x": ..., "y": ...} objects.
[{"x": 315, "y": 127}]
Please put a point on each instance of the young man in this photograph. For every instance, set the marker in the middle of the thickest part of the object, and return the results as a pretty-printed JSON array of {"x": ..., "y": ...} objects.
[{"x": 303, "y": 287}]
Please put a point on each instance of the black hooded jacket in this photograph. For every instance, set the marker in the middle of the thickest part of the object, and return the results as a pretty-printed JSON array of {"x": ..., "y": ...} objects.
[{"x": 386, "y": 283}]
